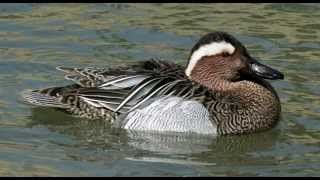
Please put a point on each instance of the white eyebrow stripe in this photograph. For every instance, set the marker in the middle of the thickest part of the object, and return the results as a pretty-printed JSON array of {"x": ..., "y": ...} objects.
[{"x": 208, "y": 50}]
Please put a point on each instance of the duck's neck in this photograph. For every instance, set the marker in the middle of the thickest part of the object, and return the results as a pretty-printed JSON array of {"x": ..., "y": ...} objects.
[
  {"x": 257, "y": 105},
  {"x": 223, "y": 87}
]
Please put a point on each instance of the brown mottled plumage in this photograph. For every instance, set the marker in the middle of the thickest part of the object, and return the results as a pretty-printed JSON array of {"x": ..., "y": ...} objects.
[{"x": 256, "y": 106}]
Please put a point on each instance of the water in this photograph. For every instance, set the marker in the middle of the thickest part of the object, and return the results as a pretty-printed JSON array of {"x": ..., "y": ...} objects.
[{"x": 35, "y": 38}]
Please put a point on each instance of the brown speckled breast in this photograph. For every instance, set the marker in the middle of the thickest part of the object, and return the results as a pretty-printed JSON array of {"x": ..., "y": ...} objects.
[{"x": 250, "y": 108}]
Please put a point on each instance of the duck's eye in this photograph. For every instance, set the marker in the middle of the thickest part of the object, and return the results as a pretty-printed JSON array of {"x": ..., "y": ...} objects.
[{"x": 225, "y": 54}]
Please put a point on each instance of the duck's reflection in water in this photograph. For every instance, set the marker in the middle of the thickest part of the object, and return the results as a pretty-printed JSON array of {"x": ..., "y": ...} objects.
[
  {"x": 178, "y": 148},
  {"x": 169, "y": 142}
]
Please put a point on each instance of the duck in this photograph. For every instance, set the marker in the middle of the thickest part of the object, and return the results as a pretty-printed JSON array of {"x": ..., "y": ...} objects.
[{"x": 222, "y": 90}]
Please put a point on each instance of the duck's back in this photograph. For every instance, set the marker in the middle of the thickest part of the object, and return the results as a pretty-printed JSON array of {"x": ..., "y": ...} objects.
[{"x": 150, "y": 95}]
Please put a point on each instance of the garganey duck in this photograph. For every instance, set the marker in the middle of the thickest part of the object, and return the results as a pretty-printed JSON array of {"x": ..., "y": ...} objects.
[{"x": 220, "y": 91}]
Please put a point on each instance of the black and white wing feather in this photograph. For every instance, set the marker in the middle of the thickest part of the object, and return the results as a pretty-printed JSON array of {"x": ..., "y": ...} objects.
[{"x": 120, "y": 89}]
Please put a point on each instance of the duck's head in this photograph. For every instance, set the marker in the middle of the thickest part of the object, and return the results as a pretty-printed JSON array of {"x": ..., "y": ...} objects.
[{"x": 219, "y": 55}]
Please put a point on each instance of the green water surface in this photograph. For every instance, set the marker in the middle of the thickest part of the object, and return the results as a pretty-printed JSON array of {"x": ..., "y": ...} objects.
[{"x": 35, "y": 38}]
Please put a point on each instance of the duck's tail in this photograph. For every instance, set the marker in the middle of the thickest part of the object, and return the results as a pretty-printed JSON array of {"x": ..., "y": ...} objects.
[{"x": 49, "y": 97}]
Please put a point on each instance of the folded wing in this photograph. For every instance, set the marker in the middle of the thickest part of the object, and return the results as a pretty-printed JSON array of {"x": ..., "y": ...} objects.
[{"x": 119, "y": 89}]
